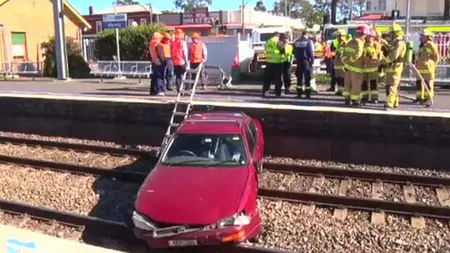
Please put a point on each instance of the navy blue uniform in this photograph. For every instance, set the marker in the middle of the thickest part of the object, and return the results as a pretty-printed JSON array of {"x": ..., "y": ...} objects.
[{"x": 304, "y": 56}]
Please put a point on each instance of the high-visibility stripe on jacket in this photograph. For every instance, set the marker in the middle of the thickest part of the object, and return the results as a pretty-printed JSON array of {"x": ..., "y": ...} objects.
[
  {"x": 166, "y": 47},
  {"x": 428, "y": 58},
  {"x": 353, "y": 59},
  {"x": 338, "y": 64},
  {"x": 196, "y": 52},
  {"x": 177, "y": 52},
  {"x": 372, "y": 56},
  {"x": 273, "y": 54}
]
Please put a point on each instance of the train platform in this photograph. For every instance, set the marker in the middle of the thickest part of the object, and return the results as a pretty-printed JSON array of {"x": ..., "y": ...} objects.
[
  {"x": 16, "y": 240},
  {"x": 245, "y": 95},
  {"x": 320, "y": 128}
]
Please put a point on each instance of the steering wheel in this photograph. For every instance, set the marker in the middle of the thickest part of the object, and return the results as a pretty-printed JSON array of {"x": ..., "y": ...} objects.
[{"x": 188, "y": 152}]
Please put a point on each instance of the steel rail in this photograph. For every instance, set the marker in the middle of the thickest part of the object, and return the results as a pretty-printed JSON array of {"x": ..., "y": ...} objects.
[
  {"x": 365, "y": 204},
  {"x": 364, "y": 175},
  {"x": 77, "y": 147},
  {"x": 107, "y": 228},
  {"x": 332, "y": 172}
]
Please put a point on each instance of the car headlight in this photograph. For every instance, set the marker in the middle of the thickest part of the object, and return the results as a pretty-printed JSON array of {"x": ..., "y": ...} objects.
[
  {"x": 141, "y": 222},
  {"x": 236, "y": 220}
]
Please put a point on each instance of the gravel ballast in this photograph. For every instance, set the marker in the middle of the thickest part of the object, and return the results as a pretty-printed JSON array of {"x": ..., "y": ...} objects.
[
  {"x": 287, "y": 228},
  {"x": 85, "y": 195}
]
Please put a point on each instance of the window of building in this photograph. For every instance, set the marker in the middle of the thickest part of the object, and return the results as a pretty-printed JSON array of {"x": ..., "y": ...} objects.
[
  {"x": 382, "y": 5},
  {"x": 143, "y": 21},
  {"x": 130, "y": 22},
  {"x": 18, "y": 42},
  {"x": 98, "y": 26},
  {"x": 369, "y": 5}
]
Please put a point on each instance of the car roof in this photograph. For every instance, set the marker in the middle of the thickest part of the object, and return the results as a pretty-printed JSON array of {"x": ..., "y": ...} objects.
[{"x": 214, "y": 122}]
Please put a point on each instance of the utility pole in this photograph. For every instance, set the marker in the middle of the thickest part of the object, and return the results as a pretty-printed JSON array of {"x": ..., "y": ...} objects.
[
  {"x": 151, "y": 12},
  {"x": 243, "y": 17},
  {"x": 351, "y": 9},
  {"x": 408, "y": 17},
  {"x": 117, "y": 42},
  {"x": 60, "y": 40}
]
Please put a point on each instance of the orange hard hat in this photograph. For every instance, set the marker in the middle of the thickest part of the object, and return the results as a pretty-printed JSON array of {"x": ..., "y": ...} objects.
[
  {"x": 167, "y": 36},
  {"x": 156, "y": 36},
  {"x": 195, "y": 36}
]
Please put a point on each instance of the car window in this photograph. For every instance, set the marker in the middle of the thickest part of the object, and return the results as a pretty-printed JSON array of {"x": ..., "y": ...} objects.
[
  {"x": 250, "y": 139},
  {"x": 205, "y": 149},
  {"x": 252, "y": 128}
]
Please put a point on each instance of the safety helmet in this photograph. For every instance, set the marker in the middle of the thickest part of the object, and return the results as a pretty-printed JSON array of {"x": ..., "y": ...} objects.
[
  {"x": 195, "y": 36},
  {"x": 341, "y": 32},
  {"x": 363, "y": 30},
  {"x": 156, "y": 36},
  {"x": 397, "y": 30},
  {"x": 427, "y": 33},
  {"x": 167, "y": 36}
]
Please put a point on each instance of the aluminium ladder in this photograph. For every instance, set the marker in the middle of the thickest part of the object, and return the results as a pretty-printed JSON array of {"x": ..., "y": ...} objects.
[{"x": 179, "y": 113}]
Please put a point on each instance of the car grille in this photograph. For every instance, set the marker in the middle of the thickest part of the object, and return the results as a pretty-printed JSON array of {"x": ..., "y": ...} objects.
[{"x": 167, "y": 225}]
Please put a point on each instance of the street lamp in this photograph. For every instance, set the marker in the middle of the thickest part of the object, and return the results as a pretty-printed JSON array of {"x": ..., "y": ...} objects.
[
  {"x": 151, "y": 12},
  {"x": 117, "y": 43}
]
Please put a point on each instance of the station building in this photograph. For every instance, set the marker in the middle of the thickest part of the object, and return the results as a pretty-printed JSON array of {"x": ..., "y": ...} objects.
[{"x": 25, "y": 24}]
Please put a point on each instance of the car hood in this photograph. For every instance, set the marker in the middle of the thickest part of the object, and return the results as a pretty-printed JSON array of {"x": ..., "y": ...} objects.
[{"x": 191, "y": 195}]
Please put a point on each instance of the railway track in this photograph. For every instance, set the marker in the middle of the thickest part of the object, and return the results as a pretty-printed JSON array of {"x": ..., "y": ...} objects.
[
  {"x": 107, "y": 229},
  {"x": 339, "y": 201}
]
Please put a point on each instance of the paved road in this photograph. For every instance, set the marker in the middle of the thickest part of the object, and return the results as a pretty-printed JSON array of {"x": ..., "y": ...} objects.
[{"x": 241, "y": 93}]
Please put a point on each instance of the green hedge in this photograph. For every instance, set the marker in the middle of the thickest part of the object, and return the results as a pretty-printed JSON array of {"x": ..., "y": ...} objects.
[
  {"x": 78, "y": 67},
  {"x": 133, "y": 42}
]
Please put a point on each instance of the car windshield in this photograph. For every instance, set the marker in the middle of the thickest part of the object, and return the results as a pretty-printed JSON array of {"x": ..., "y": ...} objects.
[{"x": 206, "y": 150}]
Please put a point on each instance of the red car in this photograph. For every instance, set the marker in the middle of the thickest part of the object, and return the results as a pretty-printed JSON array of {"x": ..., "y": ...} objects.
[{"x": 204, "y": 187}]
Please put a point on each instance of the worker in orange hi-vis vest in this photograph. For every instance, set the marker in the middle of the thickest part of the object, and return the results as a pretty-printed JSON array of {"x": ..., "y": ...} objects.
[
  {"x": 197, "y": 55},
  {"x": 179, "y": 57},
  {"x": 158, "y": 65},
  {"x": 168, "y": 72}
]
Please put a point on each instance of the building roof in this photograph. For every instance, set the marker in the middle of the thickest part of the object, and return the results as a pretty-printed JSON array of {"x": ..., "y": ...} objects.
[
  {"x": 128, "y": 9},
  {"x": 70, "y": 8}
]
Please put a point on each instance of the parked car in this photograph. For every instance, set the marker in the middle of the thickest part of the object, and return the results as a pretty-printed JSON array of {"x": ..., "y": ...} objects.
[{"x": 203, "y": 190}]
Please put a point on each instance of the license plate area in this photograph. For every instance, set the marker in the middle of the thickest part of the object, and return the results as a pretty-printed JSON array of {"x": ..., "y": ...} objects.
[{"x": 182, "y": 243}]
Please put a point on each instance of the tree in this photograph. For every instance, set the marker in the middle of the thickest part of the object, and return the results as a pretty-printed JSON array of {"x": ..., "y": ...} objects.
[
  {"x": 300, "y": 9},
  {"x": 126, "y": 2},
  {"x": 190, "y": 5},
  {"x": 260, "y": 6}
]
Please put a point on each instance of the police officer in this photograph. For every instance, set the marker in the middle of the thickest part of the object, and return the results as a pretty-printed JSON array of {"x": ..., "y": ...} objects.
[
  {"x": 394, "y": 61},
  {"x": 287, "y": 63},
  {"x": 427, "y": 60},
  {"x": 274, "y": 64},
  {"x": 304, "y": 55}
]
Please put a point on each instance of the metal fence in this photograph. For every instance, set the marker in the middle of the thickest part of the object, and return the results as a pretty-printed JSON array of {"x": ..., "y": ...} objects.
[
  {"x": 136, "y": 69},
  {"x": 442, "y": 75},
  {"x": 26, "y": 68}
]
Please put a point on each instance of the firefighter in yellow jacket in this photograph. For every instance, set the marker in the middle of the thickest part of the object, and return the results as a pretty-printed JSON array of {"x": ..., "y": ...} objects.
[
  {"x": 353, "y": 60},
  {"x": 339, "y": 47},
  {"x": 394, "y": 62},
  {"x": 372, "y": 57},
  {"x": 427, "y": 60}
]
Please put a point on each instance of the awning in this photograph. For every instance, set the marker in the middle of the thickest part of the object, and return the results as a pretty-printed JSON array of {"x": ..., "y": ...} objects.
[{"x": 371, "y": 17}]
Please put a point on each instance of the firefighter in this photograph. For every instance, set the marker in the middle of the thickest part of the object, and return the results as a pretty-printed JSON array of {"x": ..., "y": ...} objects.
[
  {"x": 384, "y": 49},
  {"x": 274, "y": 64},
  {"x": 304, "y": 56},
  {"x": 372, "y": 57},
  {"x": 354, "y": 66},
  {"x": 198, "y": 54},
  {"x": 158, "y": 60},
  {"x": 168, "y": 72},
  {"x": 338, "y": 48},
  {"x": 287, "y": 64},
  {"x": 179, "y": 56},
  {"x": 394, "y": 61},
  {"x": 427, "y": 59}
]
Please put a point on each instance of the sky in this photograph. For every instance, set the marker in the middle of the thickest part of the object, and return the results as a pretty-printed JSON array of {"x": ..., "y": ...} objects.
[{"x": 83, "y": 5}]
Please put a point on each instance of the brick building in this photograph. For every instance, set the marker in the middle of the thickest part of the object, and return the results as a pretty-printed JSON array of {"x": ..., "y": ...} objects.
[{"x": 25, "y": 24}]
